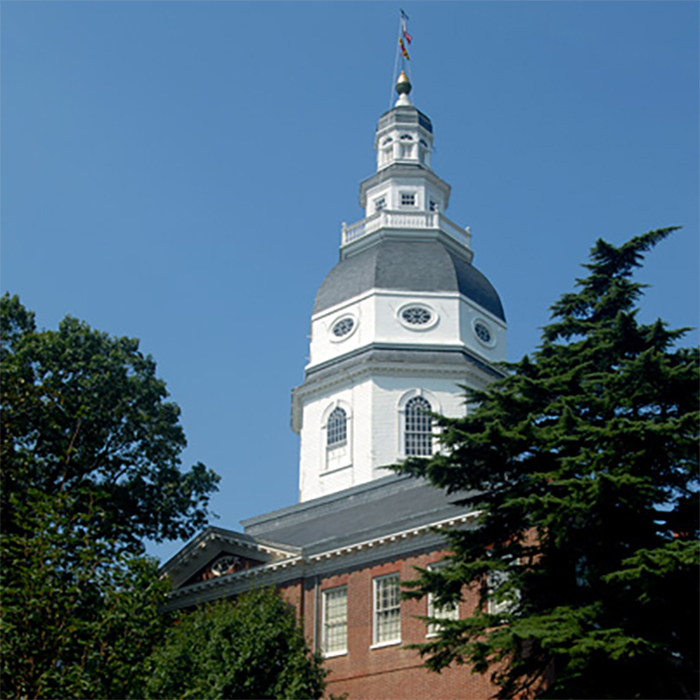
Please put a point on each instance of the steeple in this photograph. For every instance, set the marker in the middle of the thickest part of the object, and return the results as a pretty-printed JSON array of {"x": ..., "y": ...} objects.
[{"x": 399, "y": 324}]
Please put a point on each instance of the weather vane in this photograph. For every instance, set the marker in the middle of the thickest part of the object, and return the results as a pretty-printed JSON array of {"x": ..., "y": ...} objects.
[{"x": 402, "y": 54}]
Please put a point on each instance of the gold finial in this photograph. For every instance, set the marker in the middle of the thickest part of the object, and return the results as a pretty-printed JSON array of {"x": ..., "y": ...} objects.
[{"x": 403, "y": 84}]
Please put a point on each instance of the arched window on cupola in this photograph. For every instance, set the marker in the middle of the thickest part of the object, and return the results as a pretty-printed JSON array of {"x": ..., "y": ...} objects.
[
  {"x": 385, "y": 151},
  {"x": 418, "y": 429},
  {"x": 337, "y": 428}
]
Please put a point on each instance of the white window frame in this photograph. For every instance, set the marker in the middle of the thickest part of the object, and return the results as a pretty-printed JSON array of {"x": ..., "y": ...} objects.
[
  {"x": 330, "y": 625},
  {"x": 338, "y": 455},
  {"x": 382, "y": 613},
  {"x": 435, "y": 407},
  {"x": 445, "y": 612},
  {"x": 493, "y": 580}
]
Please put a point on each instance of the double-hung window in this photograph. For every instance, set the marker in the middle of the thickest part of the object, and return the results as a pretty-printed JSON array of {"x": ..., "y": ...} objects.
[
  {"x": 507, "y": 601},
  {"x": 387, "y": 610},
  {"x": 440, "y": 612},
  {"x": 335, "y": 621}
]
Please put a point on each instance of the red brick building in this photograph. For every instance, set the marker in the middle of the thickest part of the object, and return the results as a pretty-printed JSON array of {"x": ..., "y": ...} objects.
[
  {"x": 399, "y": 325},
  {"x": 340, "y": 566}
]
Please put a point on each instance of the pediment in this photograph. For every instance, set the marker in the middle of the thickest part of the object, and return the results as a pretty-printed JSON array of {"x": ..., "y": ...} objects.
[
  {"x": 225, "y": 564},
  {"x": 216, "y": 553}
]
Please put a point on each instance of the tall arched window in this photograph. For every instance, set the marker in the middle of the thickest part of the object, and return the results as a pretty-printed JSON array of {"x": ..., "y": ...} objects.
[
  {"x": 419, "y": 428},
  {"x": 337, "y": 427}
]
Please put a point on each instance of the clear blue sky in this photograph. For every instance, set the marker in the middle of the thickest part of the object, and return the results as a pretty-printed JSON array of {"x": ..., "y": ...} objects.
[{"x": 179, "y": 171}]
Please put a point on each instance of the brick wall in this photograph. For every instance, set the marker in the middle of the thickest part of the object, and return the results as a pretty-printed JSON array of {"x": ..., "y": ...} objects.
[{"x": 389, "y": 672}]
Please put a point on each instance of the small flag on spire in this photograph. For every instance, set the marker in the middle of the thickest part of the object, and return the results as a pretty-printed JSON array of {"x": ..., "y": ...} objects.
[
  {"x": 403, "y": 49},
  {"x": 406, "y": 35}
]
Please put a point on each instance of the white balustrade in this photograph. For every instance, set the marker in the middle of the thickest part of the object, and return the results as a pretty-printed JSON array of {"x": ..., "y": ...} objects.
[{"x": 404, "y": 220}]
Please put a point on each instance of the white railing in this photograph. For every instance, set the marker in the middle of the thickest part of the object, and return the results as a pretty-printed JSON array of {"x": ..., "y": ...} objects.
[{"x": 416, "y": 220}]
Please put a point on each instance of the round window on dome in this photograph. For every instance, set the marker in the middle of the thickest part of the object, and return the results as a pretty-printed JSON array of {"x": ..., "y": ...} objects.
[
  {"x": 343, "y": 327},
  {"x": 483, "y": 333},
  {"x": 417, "y": 317}
]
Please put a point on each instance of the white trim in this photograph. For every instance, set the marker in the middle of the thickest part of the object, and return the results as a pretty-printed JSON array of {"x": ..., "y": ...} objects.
[
  {"x": 399, "y": 543},
  {"x": 324, "y": 611},
  {"x": 381, "y": 645},
  {"x": 382, "y": 292},
  {"x": 402, "y": 535},
  {"x": 375, "y": 611}
]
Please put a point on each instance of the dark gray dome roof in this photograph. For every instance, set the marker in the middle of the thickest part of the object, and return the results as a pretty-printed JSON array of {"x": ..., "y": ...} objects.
[{"x": 412, "y": 266}]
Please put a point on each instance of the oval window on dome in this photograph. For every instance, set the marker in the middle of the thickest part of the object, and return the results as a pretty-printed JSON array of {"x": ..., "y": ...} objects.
[
  {"x": 343, "y": 327},
  {"x": 483, "y": 333},
  {"x": 417, "y": 315}
]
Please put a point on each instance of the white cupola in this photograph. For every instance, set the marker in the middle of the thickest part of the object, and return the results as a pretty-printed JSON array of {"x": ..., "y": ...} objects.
[
  {"x": 406, "y": 140},
  {"x": 398, "y": 324}
]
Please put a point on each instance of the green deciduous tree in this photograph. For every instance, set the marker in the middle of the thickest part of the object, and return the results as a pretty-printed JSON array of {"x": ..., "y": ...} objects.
[
  {"x": 90, "y": 466},
  {"x": 83, "y": 412},
  {"x": 583, "y": 462},
  {"x": 248, "y": 648},
  {"x": 79, "y": 618}
]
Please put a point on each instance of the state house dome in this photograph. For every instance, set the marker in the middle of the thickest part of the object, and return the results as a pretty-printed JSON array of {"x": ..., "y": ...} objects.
[{"x": 407, "y": 266}]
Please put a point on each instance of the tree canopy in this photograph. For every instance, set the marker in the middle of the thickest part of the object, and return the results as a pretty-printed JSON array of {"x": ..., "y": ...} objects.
[
  {"x": 248, "y": 648},
  {"x": 89, "y": 467},
  {"x": 583, "y": 463},
  {"x": 85, "y": 413},
  {"x": 79, "y": 619}
]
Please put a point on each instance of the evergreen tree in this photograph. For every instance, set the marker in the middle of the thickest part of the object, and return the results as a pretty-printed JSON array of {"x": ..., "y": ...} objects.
[
  {"x": 583, "y": 463},
  {"x": 248, "y": 648}
]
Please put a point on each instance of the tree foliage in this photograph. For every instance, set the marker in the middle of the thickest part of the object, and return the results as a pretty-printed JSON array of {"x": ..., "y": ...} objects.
[
  {"x": 79, "y": 619},
  {"x": 248, "y": 648},
  {"x": 583, "y": 461},
  {"x": 89, "y": 467},
  {"x": 84, "y": 413}
]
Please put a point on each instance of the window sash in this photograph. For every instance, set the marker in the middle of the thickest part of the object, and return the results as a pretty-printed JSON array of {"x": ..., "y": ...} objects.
[
  {"x": 387, "y": 610},
  {"x": 442, "y": 612},
  {"x": 418, "y": 435},
  {"x": 335, "y": 621},
  {"x": 337, "y": 428}
]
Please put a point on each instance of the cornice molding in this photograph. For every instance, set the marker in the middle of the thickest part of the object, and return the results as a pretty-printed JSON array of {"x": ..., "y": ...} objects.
[{"x": 356, "y": 554}]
